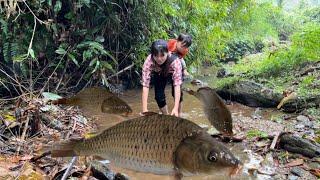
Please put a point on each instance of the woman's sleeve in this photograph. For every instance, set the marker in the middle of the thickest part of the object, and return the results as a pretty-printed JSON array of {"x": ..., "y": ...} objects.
[
  {"x": 177, "y": 72},
  {"x": 146, "y": 72}
]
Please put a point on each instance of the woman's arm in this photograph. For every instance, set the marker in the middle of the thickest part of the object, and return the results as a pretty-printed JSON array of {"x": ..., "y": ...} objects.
[
  {"x": 146, "y": 75},
  {"x": 177, "y": 81},
  {"x": 145, "y": 93},
  {"x": 177, "y": 95}
]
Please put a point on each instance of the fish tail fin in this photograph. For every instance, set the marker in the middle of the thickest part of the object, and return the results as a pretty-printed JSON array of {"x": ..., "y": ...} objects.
[{"x": 64, "y": 149}]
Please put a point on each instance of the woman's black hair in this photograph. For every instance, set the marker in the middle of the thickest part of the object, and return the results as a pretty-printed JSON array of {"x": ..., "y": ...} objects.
[
  {"x": 185, "y": 39},
  {"x": 159, "y": 46}
]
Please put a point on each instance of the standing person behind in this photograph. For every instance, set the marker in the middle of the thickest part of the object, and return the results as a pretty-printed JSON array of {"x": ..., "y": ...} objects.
[
  {"x": 163, "y": 67},
  {"x": 180, "y": 46}
]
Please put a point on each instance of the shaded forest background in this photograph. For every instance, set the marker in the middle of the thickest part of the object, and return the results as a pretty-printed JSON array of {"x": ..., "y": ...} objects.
[{"x": 62, "y": 46}]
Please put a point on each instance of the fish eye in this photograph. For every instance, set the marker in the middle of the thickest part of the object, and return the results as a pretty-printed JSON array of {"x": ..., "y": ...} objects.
[{"x": 212, "y": 157}]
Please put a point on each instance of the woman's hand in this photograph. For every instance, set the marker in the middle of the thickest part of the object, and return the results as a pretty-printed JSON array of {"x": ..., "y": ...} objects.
[{"x": 175, "y": 112}]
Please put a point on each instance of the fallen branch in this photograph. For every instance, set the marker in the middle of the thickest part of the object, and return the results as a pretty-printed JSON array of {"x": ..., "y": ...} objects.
[
  {"x": 127, "y": 68},
  {"x": 36, "y": 158},
  {"x": 41, "y": 22},
  {"x": 24, "y": 133},
  {"x": 66, "y": 174},
  {"x": 275, "y": 140},
  {"x": 299, "y": 145}
]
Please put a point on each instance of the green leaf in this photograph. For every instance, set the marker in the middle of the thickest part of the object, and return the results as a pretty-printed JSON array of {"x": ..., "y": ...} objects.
[
  {"x": 70, "y": 15},
  {"x": 96, "y": 67},
  {"x": 20, "y": 58},
  {"x": 31, "y": 52},
  {"x": 84, "y": 44},
  {"x": 100, "y": 39},
  {"x": 71, "y": 56},
  {"x": 86, "y": 55},
  {"x": 106, "y": 65},
  {"x": 256, "y": 133},
  {"x": 50, "y": 96},
  {"x": 93, "y": 61},
  {"x": 97, "y": 46},
  {"x": 4, "y": 26},
  {"x": 86, "y": 2},
  {"x": 57, "y": 6},
  {"x": 61, "y": 51},
  {"x": 114, "y": 59}
]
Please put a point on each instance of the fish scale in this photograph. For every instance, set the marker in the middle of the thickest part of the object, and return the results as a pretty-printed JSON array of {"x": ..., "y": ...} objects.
[
  {"x": 214, "y": 108},
  {"x": 159, "y": 144},
  {"x": 95, "y": 100},
  {"x": 152, "y": 141}
]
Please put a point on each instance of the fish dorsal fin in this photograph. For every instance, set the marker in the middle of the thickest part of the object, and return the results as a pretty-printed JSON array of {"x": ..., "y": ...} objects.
[{"x": 149, "y": 113}]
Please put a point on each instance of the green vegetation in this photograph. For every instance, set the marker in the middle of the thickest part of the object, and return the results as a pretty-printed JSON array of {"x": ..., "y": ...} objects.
[
  {"x": 65, "y": 45},
  {"x": 256, "y": 133},
  {"x": 280, "y": 63}
]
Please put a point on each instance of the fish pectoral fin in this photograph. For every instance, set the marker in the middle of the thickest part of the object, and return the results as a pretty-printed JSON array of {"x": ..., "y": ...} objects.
[{"x": 91, "y": 134}]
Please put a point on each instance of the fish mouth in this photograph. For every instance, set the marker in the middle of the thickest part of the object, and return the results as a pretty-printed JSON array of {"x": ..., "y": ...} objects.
[{"x": 235, "y": 170}]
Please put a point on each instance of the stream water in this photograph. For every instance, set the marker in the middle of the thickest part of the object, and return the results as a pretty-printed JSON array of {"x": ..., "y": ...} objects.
[{"x": 245, "y": 118}]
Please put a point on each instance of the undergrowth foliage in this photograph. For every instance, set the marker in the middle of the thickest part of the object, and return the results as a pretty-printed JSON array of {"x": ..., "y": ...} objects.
[{"x": 63, "y": 46}]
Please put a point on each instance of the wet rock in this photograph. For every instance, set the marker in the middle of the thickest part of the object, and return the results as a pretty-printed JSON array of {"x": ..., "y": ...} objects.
[
  {"x": 51, "y": 122},
  {"x": 251, "y": 94},
  {"x": 297, "y": 171},
  {"x": 256, "y": 114},
  {"x": 302, "y": 118},
  {"x": 304, "y": 122},
  {"x": 120, "y": 176},
  {"x": 263, "y": 176},
  {"x": 301, "y": 103},
  {"x": 254, "y": 94},
  {"x": 221, "y": 73},
  {"x": 197, "y": 82},
  {"x": 316, "y": 126},
  {"x": 314, "y": 165},
  {"x": 308, "y": 124},
  {"x": 101, "y": 171},
  {"x": 299, "y": 126},
  {"x": 224, "y": 73},
  {"x": 292, "y": 177},
  {"x": 296, "y": 144},
  {"x": 309, "y": 133}
]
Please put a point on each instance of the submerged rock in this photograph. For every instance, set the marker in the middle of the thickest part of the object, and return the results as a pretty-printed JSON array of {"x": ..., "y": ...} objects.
[{"x": 297, "y": 171}]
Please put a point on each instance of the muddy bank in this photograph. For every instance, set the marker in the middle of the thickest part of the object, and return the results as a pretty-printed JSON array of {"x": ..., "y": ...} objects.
[
  {"x": 268, "y": 92},
  {"x": 253, "y": 94}
]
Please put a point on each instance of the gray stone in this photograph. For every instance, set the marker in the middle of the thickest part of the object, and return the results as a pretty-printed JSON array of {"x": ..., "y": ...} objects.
[
  {"x": 314, "y": 165},
  {"x": 299, "y": 126},
  {"x": 292, "y": 177},
  {"x": 297, "y": 171},
  {"x": 308, "y": 124},
  {"x": 302, "y": 118}
]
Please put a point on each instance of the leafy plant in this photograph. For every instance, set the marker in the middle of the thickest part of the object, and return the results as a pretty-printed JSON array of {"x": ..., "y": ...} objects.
[{"x": 256, "y": 133}]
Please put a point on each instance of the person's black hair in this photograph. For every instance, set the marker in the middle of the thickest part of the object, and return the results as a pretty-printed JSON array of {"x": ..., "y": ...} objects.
[
  {"x": 185, "y": 39},
  {"x": 159, "y": 46}
]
